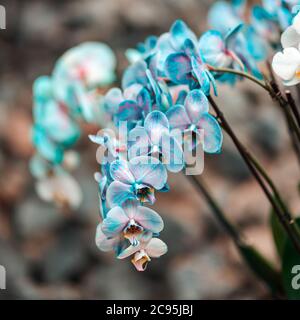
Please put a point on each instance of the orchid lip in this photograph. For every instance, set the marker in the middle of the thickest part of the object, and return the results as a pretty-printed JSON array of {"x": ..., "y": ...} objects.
[
  {"x": 131, "y": 231},
  {"x": 140, "y": 260},
  {"x": 193, "y": 127},
  {"x": 142, "y": 192}
]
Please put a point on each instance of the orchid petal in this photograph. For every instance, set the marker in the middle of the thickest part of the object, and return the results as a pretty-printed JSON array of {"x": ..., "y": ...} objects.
[
  {"x": 102, "y": 242},
  {"x": 62, "y": 189},
  {"x": 149, "y": 171},
  {"x": 112, "y": 100},
  {"x": 149, "y": 219},
  {"x": 178, "y": 117},
  {"x": 178, "y": 68},
  {"x": 156, "y": 248},
  {"x": 213, "y": 136},
  {"x": 144, "y": 101},
  {"x": 181, "y": 97},
  {"x": 97, "y": 139},
  {"x": 156, "y": 124},
  {"x": 128, "y": 252},
  {"x": 290, "y": 38},
  {"x": 119, "y": 170},
  {"x": 172, "y": 153},
  {"x": 196, "y": 104},
  {"x": 296, "y": 23},
  {"x": 131, "y": 92},
  {"x": 200, "y": 73},
  {"x": 139, "y": 142},
  {"x": 164, "y": 48},
  {"x": 181, "y": 32},
  {"x": 118, "y": 192},
  {"x": 286, "y": 63},
  {"x": 46, "y": 147},
  {"x": 115, "y": 221},
  {"x": 135, "y": 73},
  {"x": 129, "y": 111},
  {"x": 213, "y": 49}
]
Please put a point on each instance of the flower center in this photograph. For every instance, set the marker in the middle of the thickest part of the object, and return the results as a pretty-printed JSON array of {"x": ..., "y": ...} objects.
[
  {"x": 143, "y": 194},
  {"x": 132, "y": 231}
]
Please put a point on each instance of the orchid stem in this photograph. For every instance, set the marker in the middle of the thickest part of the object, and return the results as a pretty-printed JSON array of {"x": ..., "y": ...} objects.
[
  {"x": 255, "y": 260},
  {"x": 293, "y": 106},
  {"x": 240, "y": 73},
  {"x": 226, "y": 224},
  {"x": 273, "y": 90},
  {"x": 255, "y": 168}
]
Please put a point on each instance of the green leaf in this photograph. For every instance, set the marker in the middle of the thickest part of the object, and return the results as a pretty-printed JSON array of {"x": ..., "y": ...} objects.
[
  {"x": 261, "y": 267},
  {"x": 290, "y": 271},
  {"x": 278, "y": 232}
]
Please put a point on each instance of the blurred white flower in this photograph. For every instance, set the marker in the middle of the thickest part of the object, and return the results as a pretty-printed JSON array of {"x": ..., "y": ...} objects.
[
  {"x": 286, "y": 64},
  {"x": 62, "y": 189}
]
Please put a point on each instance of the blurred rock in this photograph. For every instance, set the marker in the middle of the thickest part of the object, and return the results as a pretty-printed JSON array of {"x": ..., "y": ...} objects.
[
  {"x": 202, "y": 275},
  {"x": 118, "y": 280},
  {"x": 265, "y": 133},
  {"x": 17, "y": 135},
  {"x": 67, "y": 258},
  {"x": 18, "y": 286},
  {"x": 230, "y": 164},
  {"x": 5, "y": 225},
  {"x": 13, "y": 182},
  {"x": 34, "y": 217}
]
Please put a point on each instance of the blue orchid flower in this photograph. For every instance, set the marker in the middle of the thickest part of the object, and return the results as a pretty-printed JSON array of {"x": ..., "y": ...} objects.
[
  {"x": 132, "y": 220},
  {"x": 155, "y": 139},
  {"x": 135, "y": 74},
  {"x": 185, "y": 66},
  {"x": 110, "y": 148},
  {"x": 52, "y": 116},
  {"x": 194, "y": 116},
  {"x": 225, "y": 17},
  {"x": 139, "y": 74},
  {"x": 143, "y": 50},
  {"x": 136, "y": 179},
  {"x": 142, "y": 253},
  {"x": 188, "y": 68},
  {"x": 280, "y": 11},
  {"x": 103, "y": 182},
  {"x": 134, "y": 111},
  {"x": 81, "y": 70},
  {"x": 218, "y": 51},
  {"x": 225, "y": 51},
  {"x": 265, "y": 25},
  {"x": 47, "y": 148}
]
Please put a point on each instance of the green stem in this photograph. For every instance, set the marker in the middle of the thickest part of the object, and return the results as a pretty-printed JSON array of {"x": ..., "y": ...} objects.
[
  {"x": 242, "y": 74},
  {"x": 255, "y": 260}
]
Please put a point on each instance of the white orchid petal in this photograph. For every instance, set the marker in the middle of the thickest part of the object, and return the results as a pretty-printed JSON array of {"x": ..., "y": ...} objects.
[
  {"x": 290, "y": 38},
  {"x": 286, "y": 63}
]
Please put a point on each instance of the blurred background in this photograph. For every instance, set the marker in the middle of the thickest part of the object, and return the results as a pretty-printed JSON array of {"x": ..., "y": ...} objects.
[{"x": 50, "y": 255}]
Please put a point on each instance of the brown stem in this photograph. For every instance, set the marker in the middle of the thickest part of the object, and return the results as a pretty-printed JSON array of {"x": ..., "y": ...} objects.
[
  {"x": 254, "y": 259},
  {"x": 293, "y": 106},
  {"x": 283, "y": 216}
]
